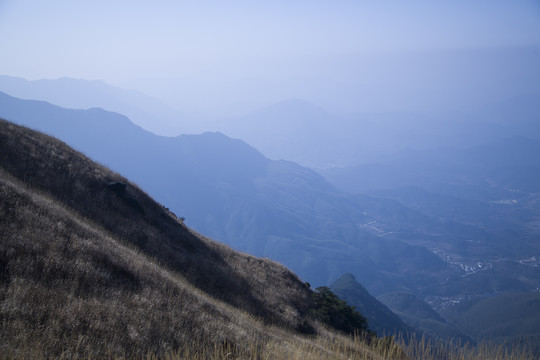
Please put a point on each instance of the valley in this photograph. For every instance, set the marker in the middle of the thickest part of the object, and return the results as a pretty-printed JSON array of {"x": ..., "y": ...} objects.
[{"x": 408, "y": 224}]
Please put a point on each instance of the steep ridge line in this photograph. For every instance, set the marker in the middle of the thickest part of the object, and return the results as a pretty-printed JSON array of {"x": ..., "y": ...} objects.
[
  {"x": 134, "y": 216},
  {"x": 270, "y": 336}
]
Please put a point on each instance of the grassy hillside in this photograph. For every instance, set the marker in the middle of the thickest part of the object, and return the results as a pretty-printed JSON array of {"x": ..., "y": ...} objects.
[
  {"x": 90, "y": 263},
  {"x": 48, "y": 166}
]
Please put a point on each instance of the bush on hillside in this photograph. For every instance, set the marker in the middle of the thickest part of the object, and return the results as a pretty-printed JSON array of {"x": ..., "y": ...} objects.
[{"x": 331, "y": 310}]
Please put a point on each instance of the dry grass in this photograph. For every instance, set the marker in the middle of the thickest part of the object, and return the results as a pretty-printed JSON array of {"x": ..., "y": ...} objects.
[
  {"x": 48, "y": 309},
  {"x": 329, "y": 346},
  {"x": 48, "y": 166},
  {"x": 89, "y": 270},
  {"x": 420, "y": 348},
  {"x": 286, "y": 347},
  {"x": 83, "y": 288}
]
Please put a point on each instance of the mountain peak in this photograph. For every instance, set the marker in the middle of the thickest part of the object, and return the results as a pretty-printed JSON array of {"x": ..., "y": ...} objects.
[{"x": 380, "y": 318}]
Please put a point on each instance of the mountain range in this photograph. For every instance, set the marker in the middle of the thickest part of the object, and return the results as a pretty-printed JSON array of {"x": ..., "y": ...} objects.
[
  {"x": 229, "y": 191},
  {"x": 302, "y": 132},
  {"x": 461, "y": 229},
  {"x": 146, "y": 111},
  {"x": 298, "y": 130},
  {"x": 91, "y": 266}
]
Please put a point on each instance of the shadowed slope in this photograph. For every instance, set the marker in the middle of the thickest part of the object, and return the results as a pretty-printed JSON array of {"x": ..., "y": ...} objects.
[
  {"x": 69, "y": 285},
  {"x": 79, "y": 236}
]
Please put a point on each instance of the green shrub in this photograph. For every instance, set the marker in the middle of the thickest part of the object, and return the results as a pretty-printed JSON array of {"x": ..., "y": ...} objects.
[{"x": 329, "y": 309}]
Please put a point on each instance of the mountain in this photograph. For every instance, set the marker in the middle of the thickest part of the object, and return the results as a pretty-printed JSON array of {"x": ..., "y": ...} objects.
[
  {"x": 146, "y": 111},
  {"x": 302, "y": 132},
  {"x": 91, "y": 266},
  {"x": 229, "y": 191},
  {"x": 295, "y": 130},
  {"x": 380, "y": 318}
]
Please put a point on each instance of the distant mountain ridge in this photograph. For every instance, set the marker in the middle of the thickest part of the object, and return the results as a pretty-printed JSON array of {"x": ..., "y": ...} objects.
[
  {"x": 297, "y": 130},
  {"x": 300, "y": 131},
  {"x": 491, "y": 169},
  {"x": 277, "y": 209},
  {"x": 148, "y": 112},
  {"x": 224, "y": 188}
]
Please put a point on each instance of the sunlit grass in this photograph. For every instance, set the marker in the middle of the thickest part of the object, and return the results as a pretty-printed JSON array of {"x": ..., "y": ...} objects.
[
  {"x": 421, "y": 348},
  {"x": 297, "y": 347}
]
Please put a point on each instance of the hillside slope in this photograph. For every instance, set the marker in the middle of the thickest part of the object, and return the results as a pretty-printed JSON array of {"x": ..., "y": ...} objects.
[
  {"x": 228, "y": 191},
  {"x": 89, "y": 259}
]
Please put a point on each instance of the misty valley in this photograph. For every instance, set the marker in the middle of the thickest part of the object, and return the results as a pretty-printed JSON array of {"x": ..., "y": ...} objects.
[
  {"x": 274, "y": 180},
  {"x": 423, "y": 224}
]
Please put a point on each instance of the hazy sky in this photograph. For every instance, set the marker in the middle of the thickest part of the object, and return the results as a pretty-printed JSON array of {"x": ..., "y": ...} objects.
[{"x": 216, "y": 53}]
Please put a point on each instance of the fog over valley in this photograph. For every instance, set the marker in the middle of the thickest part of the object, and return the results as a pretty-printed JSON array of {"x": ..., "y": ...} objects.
[{"x": 306, "y": 168}]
